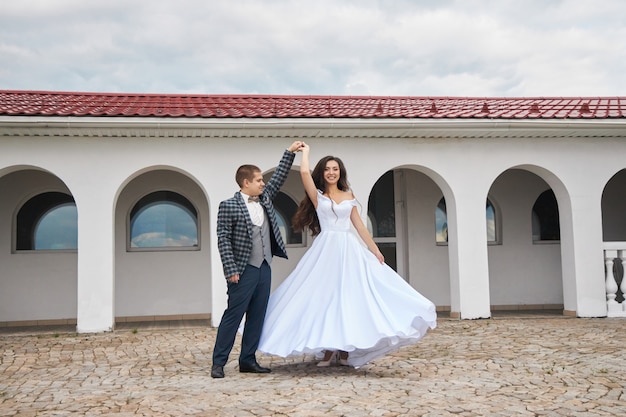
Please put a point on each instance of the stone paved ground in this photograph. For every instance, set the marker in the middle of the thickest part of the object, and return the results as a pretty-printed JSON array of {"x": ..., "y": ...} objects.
[{"x": 496, "y": 367}]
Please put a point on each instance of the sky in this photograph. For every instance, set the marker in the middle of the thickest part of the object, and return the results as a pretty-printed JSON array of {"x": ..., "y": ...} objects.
[{"x": 456, "y": 48}]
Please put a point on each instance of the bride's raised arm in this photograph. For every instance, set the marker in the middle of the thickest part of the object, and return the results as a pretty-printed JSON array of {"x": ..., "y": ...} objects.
[{"x": 305, "y": 173}]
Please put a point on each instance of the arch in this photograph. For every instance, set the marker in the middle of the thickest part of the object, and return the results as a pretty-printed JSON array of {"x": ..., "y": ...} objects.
[
  {"x": 151, "y": 168},
  {"x": 15, "y": 168},
  {"x": 613, "y": 208},
  {"x": 523, "y": 274},
  {"x": 31, "y": 278},
  {"x": 408, "y": 235},
  {"x": 556, "y": 184},
  {"x": 161, "y": 282}
]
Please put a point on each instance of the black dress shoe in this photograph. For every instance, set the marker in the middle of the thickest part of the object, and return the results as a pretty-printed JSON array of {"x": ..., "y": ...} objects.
[
  {"x": 217, "y": 371},
  {"x": 253, "y": 368}
]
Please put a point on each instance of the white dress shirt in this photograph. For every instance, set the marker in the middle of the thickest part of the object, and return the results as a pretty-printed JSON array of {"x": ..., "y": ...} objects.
[{"x": 255, "y": 209}]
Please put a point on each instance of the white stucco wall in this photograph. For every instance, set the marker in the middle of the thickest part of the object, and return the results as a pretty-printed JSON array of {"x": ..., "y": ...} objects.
[{"x": 105, "y": 175}]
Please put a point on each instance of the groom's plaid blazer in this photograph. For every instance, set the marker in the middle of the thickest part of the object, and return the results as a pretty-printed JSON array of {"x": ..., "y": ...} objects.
[{"x": 234, "y": 226}]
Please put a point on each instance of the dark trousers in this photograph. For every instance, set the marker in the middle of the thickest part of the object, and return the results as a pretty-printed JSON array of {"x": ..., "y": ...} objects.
[{"x": 248, "y": 297}]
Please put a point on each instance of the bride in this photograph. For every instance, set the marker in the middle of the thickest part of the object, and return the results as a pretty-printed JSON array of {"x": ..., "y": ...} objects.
[{"x": 341, "y": 302}]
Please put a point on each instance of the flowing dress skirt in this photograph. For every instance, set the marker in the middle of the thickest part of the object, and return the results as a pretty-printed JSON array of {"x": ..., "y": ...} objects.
[{"x": 340, "y": 297}]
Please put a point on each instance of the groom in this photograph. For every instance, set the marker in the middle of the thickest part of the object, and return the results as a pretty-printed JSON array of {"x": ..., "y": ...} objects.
[{"x": 247, "y": 238}]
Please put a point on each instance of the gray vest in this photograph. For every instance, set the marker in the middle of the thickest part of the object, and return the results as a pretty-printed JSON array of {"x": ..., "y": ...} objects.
[{"x": 261, "y": 244}]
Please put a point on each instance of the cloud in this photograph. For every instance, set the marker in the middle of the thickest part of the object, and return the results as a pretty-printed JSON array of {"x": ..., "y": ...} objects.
[{"x": 368, "y": 47}]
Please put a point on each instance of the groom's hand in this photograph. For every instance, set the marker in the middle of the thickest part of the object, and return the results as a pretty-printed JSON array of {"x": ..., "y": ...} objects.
[
  {"x": 234, "y": 279},
  {"x": 295, "y": 147}
]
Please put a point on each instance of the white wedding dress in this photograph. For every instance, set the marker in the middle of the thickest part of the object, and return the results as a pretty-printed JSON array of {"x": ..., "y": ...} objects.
[{"x": 340, "y": 297}]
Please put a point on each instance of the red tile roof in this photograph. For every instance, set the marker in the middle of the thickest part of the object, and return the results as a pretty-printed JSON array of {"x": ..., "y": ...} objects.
[{"x": 51, "y": 103}]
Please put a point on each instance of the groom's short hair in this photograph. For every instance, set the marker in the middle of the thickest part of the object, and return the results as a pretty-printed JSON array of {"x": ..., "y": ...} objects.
[{"x": 246, "y": 172}]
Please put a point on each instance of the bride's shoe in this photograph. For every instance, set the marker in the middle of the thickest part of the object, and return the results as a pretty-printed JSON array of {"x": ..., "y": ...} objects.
[
  {"x": 329, "y": 356},
  {"x": 343, "y": 358}
]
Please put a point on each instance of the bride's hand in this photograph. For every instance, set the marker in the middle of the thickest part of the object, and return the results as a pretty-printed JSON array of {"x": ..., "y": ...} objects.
[{"x": 379, "y": 256}]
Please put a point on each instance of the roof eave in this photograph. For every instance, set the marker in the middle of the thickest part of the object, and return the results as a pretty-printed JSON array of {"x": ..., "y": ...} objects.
[{"x": 307, "y": 127}]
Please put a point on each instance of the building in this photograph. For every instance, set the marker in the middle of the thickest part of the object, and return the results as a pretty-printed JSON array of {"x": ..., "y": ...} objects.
[{"x": 109, "y": 201}]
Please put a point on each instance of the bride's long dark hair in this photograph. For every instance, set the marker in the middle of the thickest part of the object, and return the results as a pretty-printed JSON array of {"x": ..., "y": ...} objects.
[{"x": 306, "y": 217}]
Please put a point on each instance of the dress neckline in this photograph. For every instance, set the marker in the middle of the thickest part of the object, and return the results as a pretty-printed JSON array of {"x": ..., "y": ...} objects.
[{"x": 341, "y": 202}]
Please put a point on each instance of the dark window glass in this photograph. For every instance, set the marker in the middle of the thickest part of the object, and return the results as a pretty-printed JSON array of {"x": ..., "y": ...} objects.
[
  {"x": 382, "y": 210},
  {"x": 545, "y": 218},
  {"x": 389, "y": 251},
  {"x": 163, "y": 219},
  {"x": 441, "y": 222},
  {"x": 490, "y": 213},
  {"x": 285, "y": 209},
  {"x": 47, "y": 221}
]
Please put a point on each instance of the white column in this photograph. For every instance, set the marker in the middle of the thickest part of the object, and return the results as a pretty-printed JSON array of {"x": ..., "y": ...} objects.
[
  {"x": 467, "y": 246},
  {"x": 96, "y": 264},
  {"x": 583, "y": 256}
]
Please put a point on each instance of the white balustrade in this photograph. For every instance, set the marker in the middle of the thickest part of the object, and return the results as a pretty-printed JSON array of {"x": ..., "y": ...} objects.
[{"x": 615, "y": 259}]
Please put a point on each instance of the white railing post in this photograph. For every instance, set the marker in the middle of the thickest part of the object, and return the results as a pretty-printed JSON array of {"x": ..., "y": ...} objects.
[
  {"x": 611, "y": 283},
  {"x": 614, "y": 251},
  {"x": 622, "y": 287}
]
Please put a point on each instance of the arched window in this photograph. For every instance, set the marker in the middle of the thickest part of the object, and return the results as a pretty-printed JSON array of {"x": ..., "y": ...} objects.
[
  {"x": 490, "y": 213},
  {"x": 441, "y": 222},
  {"x": 47, "y": 221},
  {"x": 381, "y": 217},
  {"x": 285, "y": 209},
  {"x": 163, "y": 219},
  {"x": 382, "y": 210},
  {"x": 545, "y": 218}
]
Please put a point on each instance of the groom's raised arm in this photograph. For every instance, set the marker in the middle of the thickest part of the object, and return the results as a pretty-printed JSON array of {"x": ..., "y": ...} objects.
[{"x": 282, "y": 170}]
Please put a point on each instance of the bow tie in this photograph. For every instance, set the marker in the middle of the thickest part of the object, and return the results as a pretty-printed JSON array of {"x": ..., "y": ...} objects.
[{"x": 254, "y": 198}]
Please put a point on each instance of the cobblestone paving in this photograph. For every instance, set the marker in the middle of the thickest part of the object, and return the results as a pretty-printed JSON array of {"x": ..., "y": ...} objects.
[{"x": 496, "y": 367}]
